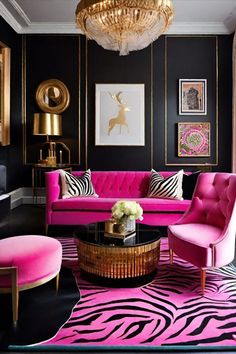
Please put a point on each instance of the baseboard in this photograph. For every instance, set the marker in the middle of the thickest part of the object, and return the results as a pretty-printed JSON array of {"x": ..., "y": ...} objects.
[{"x": 24, "y": 196}]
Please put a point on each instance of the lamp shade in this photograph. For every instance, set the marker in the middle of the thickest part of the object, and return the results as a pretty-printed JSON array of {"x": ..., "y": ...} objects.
[{"x": 47, "y": 124}]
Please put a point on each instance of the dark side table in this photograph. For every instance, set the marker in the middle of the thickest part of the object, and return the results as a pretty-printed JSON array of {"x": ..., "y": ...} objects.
[{"x": 38, "y": 181}]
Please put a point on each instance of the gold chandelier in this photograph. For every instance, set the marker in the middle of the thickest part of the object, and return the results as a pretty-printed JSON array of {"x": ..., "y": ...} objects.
[{"x": 124, "y": 25}]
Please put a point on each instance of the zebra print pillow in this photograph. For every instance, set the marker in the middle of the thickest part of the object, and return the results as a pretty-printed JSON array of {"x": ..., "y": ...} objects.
[
  {"x": 77, "y": 186},
  {"x": 168, "y": 188}
]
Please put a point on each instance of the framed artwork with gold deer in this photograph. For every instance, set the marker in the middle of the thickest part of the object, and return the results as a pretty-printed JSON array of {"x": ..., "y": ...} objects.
[{"x": 119, "y": 115}]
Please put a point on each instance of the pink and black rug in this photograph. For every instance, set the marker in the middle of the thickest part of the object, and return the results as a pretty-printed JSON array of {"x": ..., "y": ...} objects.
[{"x": 169, "y": 311}]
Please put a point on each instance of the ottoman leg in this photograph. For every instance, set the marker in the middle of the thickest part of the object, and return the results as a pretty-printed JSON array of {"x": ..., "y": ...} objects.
[{"x": 15, "y": 296}]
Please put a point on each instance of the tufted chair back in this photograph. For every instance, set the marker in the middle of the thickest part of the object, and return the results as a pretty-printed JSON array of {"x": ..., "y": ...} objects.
[
  {"x": 205, "y": 235},
  {"x": 214, "y": 199}
]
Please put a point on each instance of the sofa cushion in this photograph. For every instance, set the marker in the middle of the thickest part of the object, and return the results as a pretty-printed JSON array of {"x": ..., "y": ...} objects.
[
  {"x": 76, "y": 186},
  {"x": 189, "y": 183},
  {"x": 192, "y": 233},
  {"x": 36, "y": 258},
  {"x": 121, "y": 184},
  {"x": 169, "y": 188},
  {"x": 105, "y": 204}
]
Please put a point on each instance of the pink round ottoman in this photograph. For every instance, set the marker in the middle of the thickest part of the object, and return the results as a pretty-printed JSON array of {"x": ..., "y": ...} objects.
[{"x": 27, "y": 262}]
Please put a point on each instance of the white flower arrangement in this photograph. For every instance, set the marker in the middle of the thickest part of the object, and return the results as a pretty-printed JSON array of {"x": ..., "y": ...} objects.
[{"x": 127, "y": 210}]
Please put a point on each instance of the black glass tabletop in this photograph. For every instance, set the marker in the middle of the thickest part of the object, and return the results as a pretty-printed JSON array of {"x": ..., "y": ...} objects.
[{"x": 95, "y": 234}]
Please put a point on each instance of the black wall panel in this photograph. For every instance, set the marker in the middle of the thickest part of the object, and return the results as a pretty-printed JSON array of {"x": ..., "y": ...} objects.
[
  {"x": 108, "y": 67},
  {"x": 190, "y": 58},
  {"x": 11, "y": 155},
  {"x": 225, "y": 102},
  {"x": 53, "y": 57},
  {"x": 159, "y": 104}
]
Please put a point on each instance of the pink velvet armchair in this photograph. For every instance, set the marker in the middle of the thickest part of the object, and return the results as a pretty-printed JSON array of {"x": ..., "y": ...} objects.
[{"x": 205, "y": 235}]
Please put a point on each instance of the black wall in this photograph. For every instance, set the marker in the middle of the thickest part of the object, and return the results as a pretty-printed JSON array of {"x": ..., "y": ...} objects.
[
  {"x": 80, "y": 65},
  {"x": 11, "y": 155}
]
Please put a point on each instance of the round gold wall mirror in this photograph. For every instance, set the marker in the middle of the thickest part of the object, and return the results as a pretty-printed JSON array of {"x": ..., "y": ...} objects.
[{"x": 52, "y": 96}]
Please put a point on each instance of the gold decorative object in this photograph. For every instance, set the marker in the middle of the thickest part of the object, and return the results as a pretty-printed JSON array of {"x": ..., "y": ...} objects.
[
  {"x": 5, "y": 59},
  {"x": 52, "y": 96},
  {"x": 118, "y": 262},
  {"x": 109, "y": 226},
  {"x": 50, "y": 124},
  {"x": 124, "y": 25}
]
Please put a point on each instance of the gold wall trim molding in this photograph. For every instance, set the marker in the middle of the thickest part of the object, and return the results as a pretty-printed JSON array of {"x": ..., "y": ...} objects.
[
  {"x": 86, "y": 104},
  {"x": 79, "y": 99},
  {"x": 23, "y": 99},
  {"x": 217, "y": 101},
  {"x": 151, "y": 108},
  {"x": 5, "y": 94},
  {"x": 215, "y": 163}
]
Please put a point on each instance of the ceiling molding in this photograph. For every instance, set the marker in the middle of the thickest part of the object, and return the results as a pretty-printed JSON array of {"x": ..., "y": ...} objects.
[
  {"x": 230, "y": 22},
  {"x": 20, "y": 12},
  {"x": 10, "y": 19},
  {"x": 52, "y": 27},
  {"x": 198, "y": 28},
  {"x": 176, "y": 28}
]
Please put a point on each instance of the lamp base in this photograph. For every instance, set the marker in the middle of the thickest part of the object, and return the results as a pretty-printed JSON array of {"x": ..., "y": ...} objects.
[
  {"x": 58, "y": 154},
  {"x": 51, "y": 160}
]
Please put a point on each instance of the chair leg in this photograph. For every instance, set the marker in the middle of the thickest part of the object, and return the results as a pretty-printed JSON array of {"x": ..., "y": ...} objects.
[
  {"x": 171, "y": 253},
  {"x": 203, "y": 280},
  {"x": 57, "y": 282},
  {"x": 46, "y": 229},
  {"x": 15, "y": 296}
]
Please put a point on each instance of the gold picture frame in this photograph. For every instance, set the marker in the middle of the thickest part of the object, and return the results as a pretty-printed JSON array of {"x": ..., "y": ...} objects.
[
  {"x": 52, "y": 96},
  {"x": 5, "y": 69}
]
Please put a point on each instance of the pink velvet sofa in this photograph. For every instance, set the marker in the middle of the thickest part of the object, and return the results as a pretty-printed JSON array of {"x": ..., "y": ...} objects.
[{"x": 110, "y": 187}]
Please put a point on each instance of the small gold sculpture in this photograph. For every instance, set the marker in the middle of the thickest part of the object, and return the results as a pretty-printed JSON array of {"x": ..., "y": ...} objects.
[{"x": 109, "y": 226}]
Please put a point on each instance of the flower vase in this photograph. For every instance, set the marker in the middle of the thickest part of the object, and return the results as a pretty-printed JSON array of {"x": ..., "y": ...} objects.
[{"x": 127, "y": 226}]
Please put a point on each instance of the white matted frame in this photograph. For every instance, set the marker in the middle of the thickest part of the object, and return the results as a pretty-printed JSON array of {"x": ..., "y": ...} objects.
[
  {"x": 119, "y": 115},
  {"x": 192, "y": 96}
]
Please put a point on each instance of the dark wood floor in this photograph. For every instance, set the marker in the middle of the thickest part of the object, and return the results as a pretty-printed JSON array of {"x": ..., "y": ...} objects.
[{"x": 29, "y": 220}]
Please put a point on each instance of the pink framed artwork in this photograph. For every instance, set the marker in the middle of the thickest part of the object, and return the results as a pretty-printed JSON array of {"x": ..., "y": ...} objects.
[{"x": 193, "y": 139}]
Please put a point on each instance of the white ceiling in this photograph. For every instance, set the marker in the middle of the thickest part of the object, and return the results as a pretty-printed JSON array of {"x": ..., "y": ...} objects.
[{"x": 58, "y": 16}]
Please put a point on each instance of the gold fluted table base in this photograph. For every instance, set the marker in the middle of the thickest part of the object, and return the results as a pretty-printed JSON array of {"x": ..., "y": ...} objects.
[{"x": 114, "y": 262}]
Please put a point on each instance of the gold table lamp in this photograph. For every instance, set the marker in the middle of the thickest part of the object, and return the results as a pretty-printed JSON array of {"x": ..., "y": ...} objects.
[{"x": 50, "y": 124}]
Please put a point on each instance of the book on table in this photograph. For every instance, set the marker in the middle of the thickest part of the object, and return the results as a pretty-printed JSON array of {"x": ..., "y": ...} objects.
[
  {"x": 128, "y": 240},
  {"x": 120, "y": 235}
]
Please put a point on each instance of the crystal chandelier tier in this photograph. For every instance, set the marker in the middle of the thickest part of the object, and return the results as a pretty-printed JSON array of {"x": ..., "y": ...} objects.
[{"x": 124, "y": 25}]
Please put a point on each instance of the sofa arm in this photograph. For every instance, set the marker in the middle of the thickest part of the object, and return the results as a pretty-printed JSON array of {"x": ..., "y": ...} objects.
[{"x": 53, "y": 191}]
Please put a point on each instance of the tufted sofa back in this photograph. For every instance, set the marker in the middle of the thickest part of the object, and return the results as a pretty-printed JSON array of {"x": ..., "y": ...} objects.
[
  {"x": 118, "y": 184},
  {"x": 214, "y": 199}
]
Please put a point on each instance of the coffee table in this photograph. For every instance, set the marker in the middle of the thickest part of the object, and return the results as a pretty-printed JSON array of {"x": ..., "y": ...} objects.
[{"x": 114, "y": 261}]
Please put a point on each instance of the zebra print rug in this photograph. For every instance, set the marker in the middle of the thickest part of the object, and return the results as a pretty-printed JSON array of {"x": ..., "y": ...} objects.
[{"x": 169, "y": 311}]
